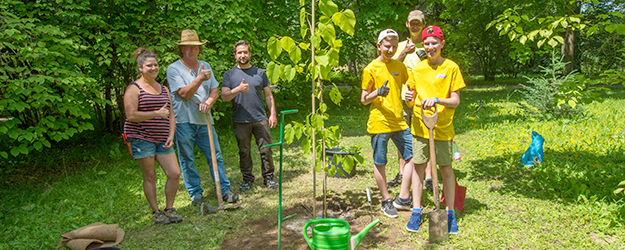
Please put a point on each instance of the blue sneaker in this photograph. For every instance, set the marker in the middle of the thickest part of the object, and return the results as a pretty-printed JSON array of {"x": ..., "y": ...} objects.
[
  {"x": 452, "y": 224},
  {"x": 414, "y": 222}
]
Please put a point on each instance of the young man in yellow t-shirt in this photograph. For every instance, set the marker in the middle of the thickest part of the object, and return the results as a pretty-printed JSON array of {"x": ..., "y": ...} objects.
[
  {"x": 382, "y": 81},
  {"x": 436, "y": 81},
  {"x": 407, "y": 53}
]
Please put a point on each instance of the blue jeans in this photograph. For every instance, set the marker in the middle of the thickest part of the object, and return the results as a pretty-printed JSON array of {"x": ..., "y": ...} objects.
[
  {"x": 187, "y": 135},
  {"x": 402, "y": 140}
]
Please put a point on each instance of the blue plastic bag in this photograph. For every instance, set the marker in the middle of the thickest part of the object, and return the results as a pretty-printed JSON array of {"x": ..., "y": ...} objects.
[{"x": 534, "y": 152}]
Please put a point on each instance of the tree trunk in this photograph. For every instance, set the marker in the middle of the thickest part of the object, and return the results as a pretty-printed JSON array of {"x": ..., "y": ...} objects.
[{"x": 568, "y": 51}]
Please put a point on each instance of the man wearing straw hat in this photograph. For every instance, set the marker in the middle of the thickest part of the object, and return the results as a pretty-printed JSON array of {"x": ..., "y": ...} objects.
[{"x": 193, "y": 92}]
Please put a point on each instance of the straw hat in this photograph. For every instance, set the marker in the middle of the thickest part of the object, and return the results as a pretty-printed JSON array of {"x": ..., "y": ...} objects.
[{"x": 189, "y": 37}]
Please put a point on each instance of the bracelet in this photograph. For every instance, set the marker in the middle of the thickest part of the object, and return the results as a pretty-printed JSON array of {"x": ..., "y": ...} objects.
[{"x": 436, "y": 99}]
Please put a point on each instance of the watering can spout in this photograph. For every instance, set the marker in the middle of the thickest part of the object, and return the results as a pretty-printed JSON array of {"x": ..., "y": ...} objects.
[{"x": 355, "y": 240}]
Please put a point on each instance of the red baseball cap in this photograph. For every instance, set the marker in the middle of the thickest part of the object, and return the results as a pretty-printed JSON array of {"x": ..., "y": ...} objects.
[{"x": 434, "y": 31}]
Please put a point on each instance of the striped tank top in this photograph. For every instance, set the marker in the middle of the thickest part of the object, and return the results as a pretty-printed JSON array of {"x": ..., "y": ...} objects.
[{"x": 155, "y": 129}]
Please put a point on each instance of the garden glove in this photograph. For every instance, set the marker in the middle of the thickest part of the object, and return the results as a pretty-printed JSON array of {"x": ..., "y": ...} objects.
[
  {"x": 422, "y": 55},
  {"x": 383, "y": 91}
]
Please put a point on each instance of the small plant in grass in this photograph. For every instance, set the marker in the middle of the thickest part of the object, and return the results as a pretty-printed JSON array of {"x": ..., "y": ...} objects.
[{"x": 557, "y": 95}]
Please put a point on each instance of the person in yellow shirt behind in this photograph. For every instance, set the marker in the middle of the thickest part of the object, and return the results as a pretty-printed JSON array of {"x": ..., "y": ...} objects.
[
  {"x": 436, "y": 81},
  {"x": 382, "y": 80}
]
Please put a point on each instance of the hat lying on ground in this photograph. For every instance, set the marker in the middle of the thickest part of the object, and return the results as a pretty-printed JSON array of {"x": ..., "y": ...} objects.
[{"x": 92, "y": 236}]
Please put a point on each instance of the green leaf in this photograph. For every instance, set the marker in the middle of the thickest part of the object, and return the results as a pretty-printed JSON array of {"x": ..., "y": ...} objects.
[
  {"x": 327, "y": 32},
  {"x": 559, "y": 39},
  {"x": 333, "y": 57},
  {"x": 325, "y": 71},
  {"x": 302, "y": 3},
  {"x": 287, "y": 42},
  {"x": 552, "y": 42},
  {"x": 348, "y": 22},
  {"x": 3, "y": 129},
  {"x": 618, "y": 190},
  {"x": 572, "y": 103},
  {"x": 289, "y": 133},
  {"x": 305, "y": 145},
  {"x": 4, "y": 154},
  {"x": 323, "y": 107},
  {"x": 45, "y": 143},
  {"x": 322, "y": 60},
  {"x": 591, "y": 30},
  {"x": 316, "y": 40},
  {"x": 338, "y": 43},
  {"x": 295, "y": 53},
  {"x": 304, "y": 46},
  {"x": 335, "y": 96},
  {"x": 38, "y": 146},
  {"x": 15, "y": 151},
  {"x": 541, "y": 42},
  {"x": 302, "y": 21},
  {"x": 13, "y": 133},
  {"x": 523, "y": 39},
  {"x": 289, "y": 72},
  {"x": 273, "y": 72},
  {"x": 328, "y": 7},
  {"x": 274, "y": 48}
]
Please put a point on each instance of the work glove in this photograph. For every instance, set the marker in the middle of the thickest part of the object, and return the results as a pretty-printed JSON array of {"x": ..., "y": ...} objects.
[
  {"x": 383, "y": 91},
  {"x": 422, "y": 55}
]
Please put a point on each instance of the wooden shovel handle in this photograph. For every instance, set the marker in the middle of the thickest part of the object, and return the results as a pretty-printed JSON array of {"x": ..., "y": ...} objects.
[
  {"x": 209, "y": 125},
  {"x": 430, "y": 123}
]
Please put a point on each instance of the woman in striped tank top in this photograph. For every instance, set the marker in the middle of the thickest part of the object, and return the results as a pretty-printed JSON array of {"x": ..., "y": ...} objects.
[{"x": 150, "y": 126}]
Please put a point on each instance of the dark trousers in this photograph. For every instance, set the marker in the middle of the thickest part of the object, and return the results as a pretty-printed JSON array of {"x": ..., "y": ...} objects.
[{"x": 243, "y": 133}]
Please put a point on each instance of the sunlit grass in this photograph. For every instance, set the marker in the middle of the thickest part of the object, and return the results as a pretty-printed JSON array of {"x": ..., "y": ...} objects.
[{"x": 565, "y": 202}]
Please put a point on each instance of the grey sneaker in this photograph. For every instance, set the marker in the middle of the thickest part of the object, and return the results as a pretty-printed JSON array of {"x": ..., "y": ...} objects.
[
  {"x": 160, "y": 217},
  {"x": 388, "y": 209},
  {"x": 395, "y": 181},
  {"x": 196, "y": 201},
  {"x": 270, "y": 183},
  {"x": 405, "y": 205},
  {"x": 246, "y": 185},
  {"x": 230, "y": 197},
  {"x": 173, "y": 215},
  {"x": 428, "y": 184}
]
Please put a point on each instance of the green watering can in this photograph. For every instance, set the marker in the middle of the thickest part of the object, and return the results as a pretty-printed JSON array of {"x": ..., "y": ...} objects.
[{"x": 333, "y": 234}]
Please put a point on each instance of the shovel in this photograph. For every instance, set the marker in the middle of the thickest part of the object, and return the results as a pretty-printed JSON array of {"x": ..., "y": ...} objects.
[
  {"x": 206, "y": 209},
  {"x": 438, "y": 217}
]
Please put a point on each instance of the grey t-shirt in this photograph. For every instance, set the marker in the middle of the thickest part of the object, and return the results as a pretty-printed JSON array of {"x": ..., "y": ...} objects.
[
  {"x": 247, "y": 107},
  {"x": 179, "y": 76}
]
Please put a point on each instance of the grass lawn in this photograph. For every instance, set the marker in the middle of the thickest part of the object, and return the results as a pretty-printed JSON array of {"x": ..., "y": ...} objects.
[{"x": 565, "y": 202}]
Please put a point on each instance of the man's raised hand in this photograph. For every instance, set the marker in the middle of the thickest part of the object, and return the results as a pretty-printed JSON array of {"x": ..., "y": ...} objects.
[
  {"x": 409, "y": 94},
  {"x": 205, "y": 75},
  {"x": 243, "y": 87}
]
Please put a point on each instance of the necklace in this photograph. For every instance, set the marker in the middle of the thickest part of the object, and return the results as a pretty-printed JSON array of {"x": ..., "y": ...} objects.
[{"x": 190, "y": 70}]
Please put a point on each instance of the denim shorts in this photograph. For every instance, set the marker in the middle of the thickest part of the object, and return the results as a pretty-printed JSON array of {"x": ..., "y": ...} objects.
[
  {"x": 142, "y": 148},
  {"x": 402, "y": 140}
]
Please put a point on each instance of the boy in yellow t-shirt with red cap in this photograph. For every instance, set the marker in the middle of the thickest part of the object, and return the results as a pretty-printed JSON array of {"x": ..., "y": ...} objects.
[
  {"x": 382, "y": 82},
  {"x": 436, "y": 81}
]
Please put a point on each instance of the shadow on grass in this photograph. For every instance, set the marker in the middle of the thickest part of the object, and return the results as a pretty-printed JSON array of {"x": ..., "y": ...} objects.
[{"x": 564, "y": 176}]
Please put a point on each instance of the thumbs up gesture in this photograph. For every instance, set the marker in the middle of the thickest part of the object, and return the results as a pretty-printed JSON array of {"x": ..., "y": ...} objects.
[
  {"x": 243, "y": 87},
  {"x": 409, "y": 94},
  {"x": 163, "y": 112},
  {"x": 383, "y": 91},
  {"x": 205, "y": 74}
]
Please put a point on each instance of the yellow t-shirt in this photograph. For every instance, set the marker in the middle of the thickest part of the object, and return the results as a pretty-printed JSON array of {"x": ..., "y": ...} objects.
[
  {"x": 385, "y": 113},
  {"x": 410, "y": 61},
  {"x": 435, "y": 81}
]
